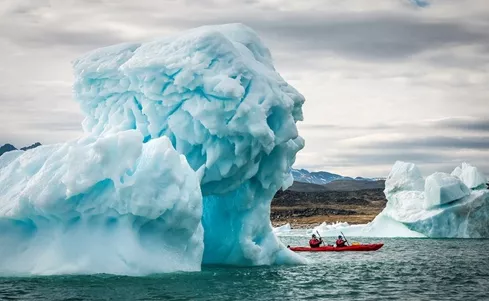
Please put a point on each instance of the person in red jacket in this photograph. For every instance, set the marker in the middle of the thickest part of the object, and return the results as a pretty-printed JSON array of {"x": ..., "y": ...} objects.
[
  {"x": 314, "y": 242},
  {"x": 340, "y": 242}
]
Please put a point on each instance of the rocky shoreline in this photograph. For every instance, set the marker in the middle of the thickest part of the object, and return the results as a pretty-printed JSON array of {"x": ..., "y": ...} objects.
[{"x": 313, "y": 206}]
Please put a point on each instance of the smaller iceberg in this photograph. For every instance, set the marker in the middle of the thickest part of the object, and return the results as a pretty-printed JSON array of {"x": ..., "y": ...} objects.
[
  {"x": 330, "y": 229},
  {"x": 381, "y": 226},
  {"x": 282, "y": 229},
  {"x": 443, "y": 205}
]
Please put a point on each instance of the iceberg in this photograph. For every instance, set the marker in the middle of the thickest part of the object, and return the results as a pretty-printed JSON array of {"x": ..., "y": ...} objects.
[
  {"x": 186, "y": 140},
  {"x": 381, "y": 226},
  {"x": 100, "y": 206},
  {"x": 282, "y": 229},
  {"x": 444, "y": 206},
  {"x": 330, "y": 229}
]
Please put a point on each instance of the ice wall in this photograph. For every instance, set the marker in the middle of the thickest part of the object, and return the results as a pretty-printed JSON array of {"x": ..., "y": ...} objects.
[{"x": 210, "y": 94}]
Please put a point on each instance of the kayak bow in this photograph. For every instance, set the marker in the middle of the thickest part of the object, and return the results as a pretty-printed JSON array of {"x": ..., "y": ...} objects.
[{"x": 366, "y": 247}]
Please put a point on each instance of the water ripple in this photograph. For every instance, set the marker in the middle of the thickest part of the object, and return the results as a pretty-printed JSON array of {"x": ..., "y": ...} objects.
[{"x": 405, "y": 269}]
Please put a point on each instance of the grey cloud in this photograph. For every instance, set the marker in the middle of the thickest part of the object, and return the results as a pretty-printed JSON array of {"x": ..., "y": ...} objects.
[
  {"x": 83, "y": 41},
  {"x": 472, "y": 124},
  {"x": 381, "y": 38},
  {"x": 364, "y": 36},
  {"x": 476, "y": 143},
  {"x": 343, "y": 127},
  {"x": 59, "y": 125},
  {"x": 429, "y": 161},
  {"x": 457, "y": 142},
  {"x": 324, "y": 127},
  {"x": 475, "y": 61},
  {"x": 382, "y": 156},
  {"x": 61, "y": 37}
]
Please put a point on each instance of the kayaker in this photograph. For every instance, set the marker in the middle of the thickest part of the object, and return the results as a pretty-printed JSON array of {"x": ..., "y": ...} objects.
[
  {"x": 340, "y": 242},
  {"x": 314, "y": 242}
]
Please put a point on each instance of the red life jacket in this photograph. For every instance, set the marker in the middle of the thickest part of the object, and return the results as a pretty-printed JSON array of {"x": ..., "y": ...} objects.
[
  {"x": 340, "y": 243},
  {"x": 314, "y": 243}
]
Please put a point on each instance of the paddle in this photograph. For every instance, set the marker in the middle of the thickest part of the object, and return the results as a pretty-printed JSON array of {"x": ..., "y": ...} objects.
[
  {"x": 346, "y": 240},
  {"x": 320, "y": 238}
]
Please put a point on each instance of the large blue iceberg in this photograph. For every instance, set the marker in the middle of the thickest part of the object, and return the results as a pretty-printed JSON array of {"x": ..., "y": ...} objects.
[{"x": 186, "y": 141}]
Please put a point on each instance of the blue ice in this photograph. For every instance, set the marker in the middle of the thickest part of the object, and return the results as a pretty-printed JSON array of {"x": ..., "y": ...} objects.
[{"x": 186, "y": 140}]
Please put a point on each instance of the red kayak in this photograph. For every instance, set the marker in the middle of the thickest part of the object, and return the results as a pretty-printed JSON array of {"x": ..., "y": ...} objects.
[{"x": 366, "y": 247}]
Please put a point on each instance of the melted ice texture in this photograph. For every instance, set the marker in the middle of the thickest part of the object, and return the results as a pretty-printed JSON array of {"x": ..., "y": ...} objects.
[{"x": 186, "y": 140}]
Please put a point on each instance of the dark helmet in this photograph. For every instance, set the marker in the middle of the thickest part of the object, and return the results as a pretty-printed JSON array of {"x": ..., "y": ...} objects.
[
  {"x": 339, "y": 237},
  {"x": 314, "y": 236}
]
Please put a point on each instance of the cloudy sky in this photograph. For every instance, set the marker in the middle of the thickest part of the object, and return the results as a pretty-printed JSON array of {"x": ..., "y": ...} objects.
[{"x": 384, "y": 80}]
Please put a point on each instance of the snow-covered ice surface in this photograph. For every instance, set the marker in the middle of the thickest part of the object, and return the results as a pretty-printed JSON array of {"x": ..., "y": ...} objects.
[
  {"x": 186, "y": 141},
  {"x": 442, "y": 205}
]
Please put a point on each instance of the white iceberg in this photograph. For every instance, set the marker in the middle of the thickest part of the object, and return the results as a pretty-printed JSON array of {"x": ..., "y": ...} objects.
[
  {"x": 445, "y": 208},
  {"x": 441, "y": 206},
  {"x": 282, "y": 229},
  {"x": 381, "y": 226}
]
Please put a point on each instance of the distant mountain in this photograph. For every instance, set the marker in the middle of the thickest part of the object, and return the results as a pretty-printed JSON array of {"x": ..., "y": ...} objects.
[
  {"x": 338, "y": 185},
  {"x": 321, "y": 177},
  {"x": 9, "y": 147},
  {"x": 31, "y": 146},
  {"x": 315, "y": 177}
]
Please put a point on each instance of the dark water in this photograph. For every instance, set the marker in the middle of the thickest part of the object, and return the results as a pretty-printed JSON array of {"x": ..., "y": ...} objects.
[{"x": 405, "y": 269}]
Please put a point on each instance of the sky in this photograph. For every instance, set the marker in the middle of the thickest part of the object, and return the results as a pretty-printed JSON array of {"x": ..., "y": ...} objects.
[{"x": 384, "y": 80}]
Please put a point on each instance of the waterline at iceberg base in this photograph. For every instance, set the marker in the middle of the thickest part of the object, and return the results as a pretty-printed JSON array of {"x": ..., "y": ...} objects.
[{"x": 186, "y": 140}]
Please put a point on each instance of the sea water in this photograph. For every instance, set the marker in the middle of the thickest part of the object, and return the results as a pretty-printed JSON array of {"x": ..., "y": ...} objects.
[{"x": 404, "y": 269}]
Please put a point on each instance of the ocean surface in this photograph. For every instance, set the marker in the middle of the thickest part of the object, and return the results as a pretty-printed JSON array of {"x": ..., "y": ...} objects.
[{"x": 404, "y": 269}]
